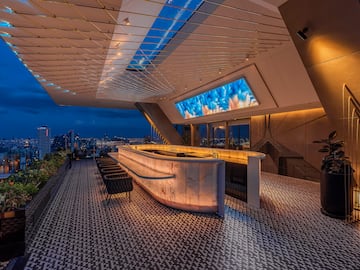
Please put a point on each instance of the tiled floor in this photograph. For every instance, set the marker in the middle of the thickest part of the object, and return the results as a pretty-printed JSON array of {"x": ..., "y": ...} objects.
[{"x": 288, "y": 232}]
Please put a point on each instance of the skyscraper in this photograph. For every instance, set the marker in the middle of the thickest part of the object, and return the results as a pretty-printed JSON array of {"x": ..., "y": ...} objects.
[
  {"x": 44, "y": 141},
  {"x": 72, "y": 140}
]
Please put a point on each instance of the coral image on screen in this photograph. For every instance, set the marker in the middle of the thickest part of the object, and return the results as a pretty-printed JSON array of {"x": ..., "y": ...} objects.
[{"x": 232, "y": 96}]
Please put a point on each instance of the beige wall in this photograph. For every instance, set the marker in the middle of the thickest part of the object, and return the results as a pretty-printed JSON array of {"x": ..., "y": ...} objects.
[
  {"x": 331, "y": 55},
  {"x": 331, "y": 52},
  {"x": 294, "y": 132}
]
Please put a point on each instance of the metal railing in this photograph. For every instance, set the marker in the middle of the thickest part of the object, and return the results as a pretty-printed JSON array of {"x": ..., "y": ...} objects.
[{"x": 351, "y": 129}]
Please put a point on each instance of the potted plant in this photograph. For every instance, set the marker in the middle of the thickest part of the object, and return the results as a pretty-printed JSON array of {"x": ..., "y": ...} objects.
[
  {"x": 13, "y": 198},
  {"x": 336, "y": 181},
  {"x": 15, "y": 194}
]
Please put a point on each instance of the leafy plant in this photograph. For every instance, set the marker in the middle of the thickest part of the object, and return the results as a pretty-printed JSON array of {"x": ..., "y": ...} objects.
[
  {"x": 335, "y": 161},
  {"x": 19, "y": 188},
  {"x": 15, "y": 195}
]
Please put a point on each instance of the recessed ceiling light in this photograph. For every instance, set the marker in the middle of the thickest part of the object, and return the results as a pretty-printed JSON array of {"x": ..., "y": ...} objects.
[{"x": 126, "y": 21}]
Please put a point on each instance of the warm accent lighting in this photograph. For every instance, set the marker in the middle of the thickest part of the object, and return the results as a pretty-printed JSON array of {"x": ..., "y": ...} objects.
[
  {"x": 357, "y": 198},
  {"x": 126, "y": 21}
]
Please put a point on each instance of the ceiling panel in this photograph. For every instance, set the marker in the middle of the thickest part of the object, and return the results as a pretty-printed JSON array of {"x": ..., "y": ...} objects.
[{"x": 80, "y": 50}]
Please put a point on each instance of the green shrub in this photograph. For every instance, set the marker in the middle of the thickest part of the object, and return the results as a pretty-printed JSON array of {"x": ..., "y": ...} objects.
[
  {"x": 19, "y": 188},
  {"x": 15, "y": 195}
]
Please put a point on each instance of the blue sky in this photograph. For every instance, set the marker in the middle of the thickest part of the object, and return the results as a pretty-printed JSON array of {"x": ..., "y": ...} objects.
[{"x": 25, "y": 105}]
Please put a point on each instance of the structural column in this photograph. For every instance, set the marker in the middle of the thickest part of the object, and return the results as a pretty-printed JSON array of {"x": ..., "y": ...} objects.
[
  {"x": 195, "y": 135},
  {"x": 226, "y": 135},
  {"x": 208, "y": 128}
]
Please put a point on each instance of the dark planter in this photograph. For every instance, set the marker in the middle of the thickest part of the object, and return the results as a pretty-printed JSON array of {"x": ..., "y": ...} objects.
[
  {"x": 12, "y": 234},
  {"x": 336, "y": 194}
]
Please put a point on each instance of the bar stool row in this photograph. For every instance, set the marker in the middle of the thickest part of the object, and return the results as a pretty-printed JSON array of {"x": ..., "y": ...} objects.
[{"x": 116, "y": 179}]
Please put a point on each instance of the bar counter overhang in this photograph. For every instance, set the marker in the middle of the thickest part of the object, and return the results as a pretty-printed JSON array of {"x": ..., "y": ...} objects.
[{"x": 188, "y": 178}]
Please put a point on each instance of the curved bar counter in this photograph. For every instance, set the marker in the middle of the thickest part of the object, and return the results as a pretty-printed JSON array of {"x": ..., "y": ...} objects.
[{"x": 188, "y": 178}]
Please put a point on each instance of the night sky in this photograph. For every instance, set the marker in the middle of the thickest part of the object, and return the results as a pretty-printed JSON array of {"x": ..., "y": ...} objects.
[{"x": 25, "y": 105}]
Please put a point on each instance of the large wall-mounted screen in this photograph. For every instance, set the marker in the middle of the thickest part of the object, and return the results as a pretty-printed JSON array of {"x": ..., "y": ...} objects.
[{"x": 232, "y": 96}]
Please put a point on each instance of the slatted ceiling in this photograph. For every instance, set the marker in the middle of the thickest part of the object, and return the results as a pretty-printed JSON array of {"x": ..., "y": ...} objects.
[
  {"x": 123, "y": 47},
  {"x": 54, "y": 58},
  {"x": 71, "y": 11},
  {"x": 76, "y": 37},
  {"x": 21, "y": 6},
  {"x": 15, "y": 32},
  {"x": 133, "y": 17},
  {"x": 148, "y": 8},
  {"x": 52, "y": 67},
  {"x": 127, "y": 45},
  {"x": 236, "y": 52},
  {"x": 45, "y": 33},
  {"x": 133, "y": 29},
  {"x": 67, "y": 72},
  {"x": 34, "y": 50},
  {"x": 252, "y": 7},
  {"x": 51, "y": 23},
  {"x": 65, "y": 66},
  {"x": 90, "y": 3},
  {"x": 67, "y": 11},
  {"x": 70, "y": 79},
  {"x": 88, "y": 81},
  {"x": 125, "y": 38}
]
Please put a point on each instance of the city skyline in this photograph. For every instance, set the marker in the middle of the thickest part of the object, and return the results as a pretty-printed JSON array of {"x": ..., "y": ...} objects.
[{"x": 25, "y": 106}]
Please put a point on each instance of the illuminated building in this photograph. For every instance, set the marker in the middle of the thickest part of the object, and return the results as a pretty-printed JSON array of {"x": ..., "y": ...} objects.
[{"x": 44, "y": 141}]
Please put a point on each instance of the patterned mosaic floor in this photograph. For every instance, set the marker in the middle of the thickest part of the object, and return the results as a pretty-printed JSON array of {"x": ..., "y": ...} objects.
[{"x": 288, "y": 232}]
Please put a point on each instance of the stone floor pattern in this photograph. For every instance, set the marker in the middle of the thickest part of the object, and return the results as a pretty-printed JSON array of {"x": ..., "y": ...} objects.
[{"x": 81, "y": 232}]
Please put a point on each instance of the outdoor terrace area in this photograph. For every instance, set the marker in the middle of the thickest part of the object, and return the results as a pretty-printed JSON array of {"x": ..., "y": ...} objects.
[{"x": 80, "y": 231}]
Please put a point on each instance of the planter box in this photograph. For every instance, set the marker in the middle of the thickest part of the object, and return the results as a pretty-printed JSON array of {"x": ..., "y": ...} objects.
[
  {"x": 12, "y": 234},
  {"x": 336, "y": 194}
]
